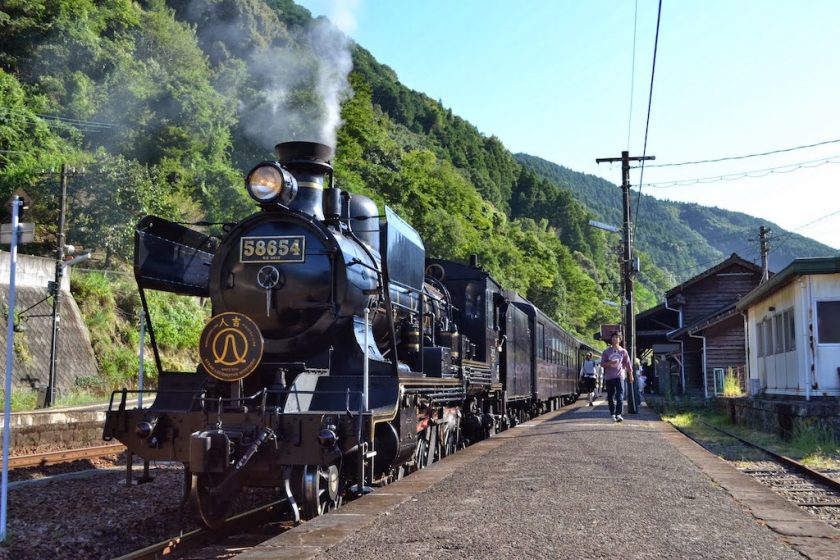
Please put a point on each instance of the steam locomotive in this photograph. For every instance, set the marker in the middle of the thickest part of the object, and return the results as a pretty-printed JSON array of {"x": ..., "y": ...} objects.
[{"x": 338, "y": 357}]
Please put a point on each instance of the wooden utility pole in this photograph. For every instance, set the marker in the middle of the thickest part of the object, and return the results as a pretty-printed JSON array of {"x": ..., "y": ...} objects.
[
  {"x": 764, "y": 249},
  {"x": 628, "y": 268}
]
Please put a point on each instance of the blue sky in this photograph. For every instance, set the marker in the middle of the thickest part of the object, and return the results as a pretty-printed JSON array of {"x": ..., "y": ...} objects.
[{"x": 554, "y": 78}]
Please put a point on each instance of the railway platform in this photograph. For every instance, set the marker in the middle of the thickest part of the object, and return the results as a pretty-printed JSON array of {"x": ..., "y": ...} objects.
[{"x": 569, "y": 484}]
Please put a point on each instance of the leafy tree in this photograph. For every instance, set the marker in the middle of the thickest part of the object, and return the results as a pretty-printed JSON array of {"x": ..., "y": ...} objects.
[{"x": 27, "y": 143}]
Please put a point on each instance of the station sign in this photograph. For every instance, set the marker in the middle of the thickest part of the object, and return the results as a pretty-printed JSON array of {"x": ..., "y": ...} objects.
[{"x": 608, "y": 330}]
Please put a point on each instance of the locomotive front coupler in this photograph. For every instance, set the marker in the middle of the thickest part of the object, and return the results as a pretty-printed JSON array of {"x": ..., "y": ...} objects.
[{"x": 201, "y": 441}]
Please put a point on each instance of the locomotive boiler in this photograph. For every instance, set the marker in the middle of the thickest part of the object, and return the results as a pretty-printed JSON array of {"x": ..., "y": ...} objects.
[{"x": 336, "y": 358}]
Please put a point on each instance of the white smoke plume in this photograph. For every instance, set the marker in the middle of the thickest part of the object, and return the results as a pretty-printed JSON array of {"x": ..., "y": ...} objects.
[{"x": 283, "y": 76}]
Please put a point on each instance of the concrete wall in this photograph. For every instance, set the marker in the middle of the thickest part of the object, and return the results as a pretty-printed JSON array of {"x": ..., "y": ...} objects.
[
  {"x": 32, "y": 272},
  {"x": 784, "y": 417},
  {"x": 57, "y": 429},
  {"x": 31, "y": 366}
]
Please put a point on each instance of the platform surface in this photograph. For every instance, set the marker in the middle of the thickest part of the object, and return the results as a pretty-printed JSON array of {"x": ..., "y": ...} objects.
[{"x": 569, "y": 484}]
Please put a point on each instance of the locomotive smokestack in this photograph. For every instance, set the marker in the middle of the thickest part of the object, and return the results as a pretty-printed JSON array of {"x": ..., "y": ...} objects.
[{"x": 308, "y": 162}]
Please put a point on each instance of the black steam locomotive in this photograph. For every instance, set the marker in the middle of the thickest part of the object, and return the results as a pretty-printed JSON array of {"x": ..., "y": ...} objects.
[{"x": 338, "y": 356}]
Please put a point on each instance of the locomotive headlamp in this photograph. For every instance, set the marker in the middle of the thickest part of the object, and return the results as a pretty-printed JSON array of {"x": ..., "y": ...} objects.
[
  {"x": 327, "y": 437},
  {"x": 145, "y": 428},
  {"x": 269, "y": 182}
]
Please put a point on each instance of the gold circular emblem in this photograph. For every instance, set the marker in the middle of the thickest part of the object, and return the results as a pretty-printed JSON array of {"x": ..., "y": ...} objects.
[{"x": 230, "y": 347}]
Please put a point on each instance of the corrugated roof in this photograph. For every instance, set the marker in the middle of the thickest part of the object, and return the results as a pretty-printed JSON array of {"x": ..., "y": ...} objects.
[{"x": 797, "y": 268}]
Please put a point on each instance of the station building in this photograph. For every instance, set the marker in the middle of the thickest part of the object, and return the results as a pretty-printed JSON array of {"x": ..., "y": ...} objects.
[
  {"x": 696, "y": 335},
  {"x": 793, "y": 331}
]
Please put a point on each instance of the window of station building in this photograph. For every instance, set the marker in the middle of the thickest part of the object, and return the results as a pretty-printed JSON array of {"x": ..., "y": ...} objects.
[
  {"x": 790, "y": 331},
  {"x": 765, "y": 337},
  {"x": 778, "y": 327},
  {"x": 768, "y": 337},
  {"x": 828, "y": 322},
  {"x": 759, "y": 339}
]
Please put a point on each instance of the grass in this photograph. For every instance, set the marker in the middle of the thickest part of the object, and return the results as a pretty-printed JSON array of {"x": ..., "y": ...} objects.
[
  {"x": 22, "y": 399},
  {"x": 813, "y": 445},
  {"x": 26, "y": 399}
]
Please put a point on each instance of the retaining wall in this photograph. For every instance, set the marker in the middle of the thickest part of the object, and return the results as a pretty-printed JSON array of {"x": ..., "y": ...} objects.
[
  {"x": 55, "y": 429},
  {"x": 784, "y": 417}
]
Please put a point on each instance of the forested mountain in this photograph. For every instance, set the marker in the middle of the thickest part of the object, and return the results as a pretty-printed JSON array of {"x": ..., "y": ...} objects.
[
  {"x": 682, "y": 238},
  {"x": 167, "y": 104}
]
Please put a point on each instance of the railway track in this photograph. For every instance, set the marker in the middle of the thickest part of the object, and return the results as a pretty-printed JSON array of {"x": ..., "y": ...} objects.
[
  {"x": 66, "y": 456},
  {"x": 246, "y": 529},
  {"x": 811, "y": 490}
]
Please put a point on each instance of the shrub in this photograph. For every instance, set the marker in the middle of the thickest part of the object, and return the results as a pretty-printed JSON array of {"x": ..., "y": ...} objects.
[{"x": 731, "y": 384}]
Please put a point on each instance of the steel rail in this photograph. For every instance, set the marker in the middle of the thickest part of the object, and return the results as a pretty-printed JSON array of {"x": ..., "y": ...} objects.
[
  {"x": 832, "y": 483},
  {"x": 66, "y": 456},
  {"x": 202, "y": 536}
]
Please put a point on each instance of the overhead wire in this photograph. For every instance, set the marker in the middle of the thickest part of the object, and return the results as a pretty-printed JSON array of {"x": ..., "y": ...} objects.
[
  {"x": 790, "y": 233},
  {"x": 632, "y": 74},
  {"x": 753, "y": 174},
  {"x": 746, "y": 156},
  {"x": 647, "y": 121},
  {"x": 87, "y": 126}
]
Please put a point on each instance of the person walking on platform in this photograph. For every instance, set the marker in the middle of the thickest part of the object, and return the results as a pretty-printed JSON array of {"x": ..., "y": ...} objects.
[
  {"x": 617, "y": 366},
  {"x": 589, "y": 376}
]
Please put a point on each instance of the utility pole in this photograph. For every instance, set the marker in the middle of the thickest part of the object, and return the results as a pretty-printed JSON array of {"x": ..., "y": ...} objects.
[
  {"x": 55, "y": 288},
  {"x": 765, "y": 250},
  {"x": 628, "y": 267}
]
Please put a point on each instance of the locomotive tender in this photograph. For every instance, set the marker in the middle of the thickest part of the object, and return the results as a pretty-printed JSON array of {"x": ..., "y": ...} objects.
[{"x": 338, "y": 357}]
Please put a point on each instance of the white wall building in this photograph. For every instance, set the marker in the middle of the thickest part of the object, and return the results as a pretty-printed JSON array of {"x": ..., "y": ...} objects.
[{"x": 793, "y": 331}]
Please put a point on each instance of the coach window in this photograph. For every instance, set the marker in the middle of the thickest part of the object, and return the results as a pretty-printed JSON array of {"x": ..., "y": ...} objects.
[
  {"x": 828, "y": 322},
  {"x": 540, "y": 341},
  {"x": 492, "y": 322},
  {"x": 472, "y": 302}
]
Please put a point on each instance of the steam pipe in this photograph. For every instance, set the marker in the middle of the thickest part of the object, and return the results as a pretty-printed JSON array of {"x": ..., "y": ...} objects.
[{"x": 366, "y": 366}]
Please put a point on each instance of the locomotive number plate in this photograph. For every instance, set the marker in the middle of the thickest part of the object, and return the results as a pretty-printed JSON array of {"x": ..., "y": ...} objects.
[{"x": 281, "y": 248}]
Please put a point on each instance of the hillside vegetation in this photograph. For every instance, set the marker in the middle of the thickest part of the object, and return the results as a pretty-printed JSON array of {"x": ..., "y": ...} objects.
[
  {"x": 166, "y": 105},
  {"x": 683, "y": 239}
]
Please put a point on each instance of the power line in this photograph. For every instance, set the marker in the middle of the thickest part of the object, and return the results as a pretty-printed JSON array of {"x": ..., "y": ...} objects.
[
  {"x": 632, "y": 74},
  {"x": 650, "y": 101},
  {"x": 92, "y": 124},
  {"x": 87, "y": 126},
  {"x": 730, "y": 158},
  {"x": 754, "y": 174},
  {"x": 790, "y": 233}
]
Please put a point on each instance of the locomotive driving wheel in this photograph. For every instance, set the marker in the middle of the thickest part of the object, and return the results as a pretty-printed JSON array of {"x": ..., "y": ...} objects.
[
  {"x": 321, "y": 490},
  {"x": 212, "y": 506},
  {"x": 424, "y": 451}
]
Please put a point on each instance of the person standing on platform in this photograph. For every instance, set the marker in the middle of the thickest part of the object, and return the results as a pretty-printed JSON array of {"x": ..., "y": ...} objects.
[
  {"x": 617, "y": 366},
  {"x": 589, "y": 376}
]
